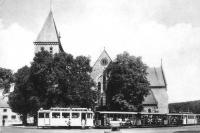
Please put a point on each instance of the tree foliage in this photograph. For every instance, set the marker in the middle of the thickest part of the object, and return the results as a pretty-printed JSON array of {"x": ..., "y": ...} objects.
[
  {"x": 6, "y": 78},
  {"x": 64, "y": 81},
  {"x": 127, "y": 83}
]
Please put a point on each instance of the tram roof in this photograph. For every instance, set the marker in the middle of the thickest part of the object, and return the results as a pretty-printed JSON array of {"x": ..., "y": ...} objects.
[
  {"x": 182, "y": 114},
  {"x": 118, "y": 112},
  {"x": 66, "y": 109}
]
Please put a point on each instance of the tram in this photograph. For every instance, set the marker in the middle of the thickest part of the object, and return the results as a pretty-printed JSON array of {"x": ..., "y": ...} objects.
[
  {"x": 183, "y": 119},
  {"x": 129, "y": 119},
  {"x": 79, "y": 117},
  {"x": 65, "y": 117},
  {"x": 134, "y": 119}
]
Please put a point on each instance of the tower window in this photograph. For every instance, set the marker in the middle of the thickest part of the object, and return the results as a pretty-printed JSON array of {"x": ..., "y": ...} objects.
[
  {"x": 42, "y": 48},
  {"x": 51, "y": 50}
]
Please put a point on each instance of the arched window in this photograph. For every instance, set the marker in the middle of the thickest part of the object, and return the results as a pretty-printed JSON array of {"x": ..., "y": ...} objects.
[
  {"x": 149, "y": 110},
  {"x": 99, "y": 86},
  {"x": 102, "y": 101}
]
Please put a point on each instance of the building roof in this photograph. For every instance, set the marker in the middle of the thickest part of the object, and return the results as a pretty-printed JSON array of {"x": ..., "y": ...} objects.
[
  {"x": 3, "y": 102},
  {"x": 156, "y": 77},
  {"x": 49, "y": 31}
]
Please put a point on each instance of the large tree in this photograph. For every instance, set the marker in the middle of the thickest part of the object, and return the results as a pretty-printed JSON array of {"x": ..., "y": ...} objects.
[
  {"x": 127, "y": 83},
  {"x": 6, "y": 78},
  {"x": 21, "y": 100}
]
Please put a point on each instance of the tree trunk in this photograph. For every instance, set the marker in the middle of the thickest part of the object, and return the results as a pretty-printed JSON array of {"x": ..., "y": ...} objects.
[{"x": 24, "y": 119}]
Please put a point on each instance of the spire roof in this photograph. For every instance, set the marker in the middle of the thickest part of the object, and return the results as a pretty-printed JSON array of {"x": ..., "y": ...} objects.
[{"x": 49, "y": 31}]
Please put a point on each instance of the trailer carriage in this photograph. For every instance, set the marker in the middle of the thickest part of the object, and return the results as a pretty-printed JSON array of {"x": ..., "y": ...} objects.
[{"x": 134, "y": 119}]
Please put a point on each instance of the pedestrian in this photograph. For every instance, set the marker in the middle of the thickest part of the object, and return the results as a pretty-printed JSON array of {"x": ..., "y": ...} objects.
[
  {"x": 69, "y": 124},
  {"x": 83, "y": 123},
  {"x": 3, "y": 122}
]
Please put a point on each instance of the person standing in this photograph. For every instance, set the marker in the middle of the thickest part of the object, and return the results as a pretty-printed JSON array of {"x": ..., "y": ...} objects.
[
  {"x": 83, "y": 123},
  {"x": 3, "y": 122}
]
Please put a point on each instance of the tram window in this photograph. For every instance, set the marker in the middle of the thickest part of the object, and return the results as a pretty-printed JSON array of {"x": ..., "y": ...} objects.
[
  {"x": 190, "y": 117},
  {"x": 55, "y": 115},
  {"x": 41, "y": 115},
  {"x": 47, "y": 115},
  {"x": 89, "y": 115},
  {"x": 65, "y": 115},
  {"x": 75, "y": 115}
]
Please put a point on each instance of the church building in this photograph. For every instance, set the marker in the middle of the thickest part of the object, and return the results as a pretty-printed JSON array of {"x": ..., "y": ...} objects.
[{"x": 156, "y": 102}]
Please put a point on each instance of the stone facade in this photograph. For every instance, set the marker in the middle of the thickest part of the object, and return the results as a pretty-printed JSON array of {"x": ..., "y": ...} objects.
[{"x": 97, "y": 75}]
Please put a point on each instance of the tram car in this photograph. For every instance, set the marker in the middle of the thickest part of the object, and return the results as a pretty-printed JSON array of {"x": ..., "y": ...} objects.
[
  {"x": 65, "y": 117},
  {"x": 183, "y": 119},
  {"x": 135, "y": 119},
  {"x": 129, "y": 119}
]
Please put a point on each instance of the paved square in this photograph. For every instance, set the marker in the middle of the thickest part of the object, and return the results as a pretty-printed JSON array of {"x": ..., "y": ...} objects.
[{"x": 186, "y": 129}]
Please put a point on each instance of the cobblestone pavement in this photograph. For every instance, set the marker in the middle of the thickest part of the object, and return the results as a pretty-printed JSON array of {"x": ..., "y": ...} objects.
[{"x": 186, "y": 129}]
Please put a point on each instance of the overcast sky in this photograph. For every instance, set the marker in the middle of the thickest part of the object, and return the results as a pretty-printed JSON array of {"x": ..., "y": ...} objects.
[{"x": 153, "y": 29}]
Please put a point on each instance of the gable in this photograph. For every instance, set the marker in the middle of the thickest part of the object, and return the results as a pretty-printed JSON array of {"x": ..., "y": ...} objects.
[{"x": 100, "y": 65}]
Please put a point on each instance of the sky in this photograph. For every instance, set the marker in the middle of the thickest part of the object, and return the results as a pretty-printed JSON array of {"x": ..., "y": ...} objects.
[{"x": 155, "y": 30}]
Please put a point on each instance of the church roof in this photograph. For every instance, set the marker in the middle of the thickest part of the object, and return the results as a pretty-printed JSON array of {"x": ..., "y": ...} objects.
[
  {"x": 156, "y": 77},
  {"x": 150, "y": 99},
  {"x": 49, "y": 31}
]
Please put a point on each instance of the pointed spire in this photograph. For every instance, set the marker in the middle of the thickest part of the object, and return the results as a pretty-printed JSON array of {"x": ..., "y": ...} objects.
[
  {"x": 163, "y": 73},
  {"x": 49, "y": 31},
  {"x": 50, "y": 5}
]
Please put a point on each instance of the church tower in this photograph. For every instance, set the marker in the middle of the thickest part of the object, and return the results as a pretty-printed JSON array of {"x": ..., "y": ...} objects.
[{"x": 48, "y": 39}]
